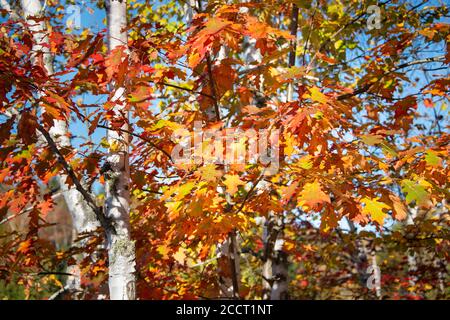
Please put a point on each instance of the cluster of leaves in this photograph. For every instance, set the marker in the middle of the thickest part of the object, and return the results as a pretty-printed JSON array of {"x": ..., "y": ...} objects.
[{"x": 363, "y": 139}]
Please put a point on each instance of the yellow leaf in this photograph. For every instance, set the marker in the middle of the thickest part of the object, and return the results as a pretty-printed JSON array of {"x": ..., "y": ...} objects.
[
  {"x": 232, "y": 182},
  {"x": 180, "y": 256},
  {"x": 114, "y": 146},
  {"x": 163, "y": 250},
  {"x": 209, "y": 172},
  {"x": 375, "y": 209},
  {"x": 289, "y": 145},
  {"x": 305, "y": 162},
  {"x": 372, "y": 140},
  {"x": 318, "y": 96}
]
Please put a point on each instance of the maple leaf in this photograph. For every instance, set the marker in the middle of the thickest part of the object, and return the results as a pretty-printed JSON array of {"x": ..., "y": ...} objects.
[
  {"x": 372, "y": 140},
  {"x": 183, "y": 190},
  {"x": 215, "y": 25},
  {"x": 232, "y": 182},
  {"x": 432, "y": 159},
  {"x": 428, "y": 103},
  {"x": 27, "y": 127},
  {"x": 140, "y": 94},
  {"x": 196, "y": 208},
  {"x": 374, "y": 208},
  {"x": 326, "y": 58},
  {"x": 5, "y": 129},
  {"x": 312, "y": 196}
]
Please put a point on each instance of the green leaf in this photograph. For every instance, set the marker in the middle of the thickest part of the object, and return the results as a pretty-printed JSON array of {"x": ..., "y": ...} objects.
[
  {"x": 414, "y": 192},
  {"x": 432, "y": 159}
]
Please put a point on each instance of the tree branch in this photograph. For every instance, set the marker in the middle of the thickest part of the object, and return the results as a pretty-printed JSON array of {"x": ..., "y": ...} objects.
[
  {"x": 104, "y": 221},
  {"x": 213, "y": 86},
  {"x": 367, "y": 86}
]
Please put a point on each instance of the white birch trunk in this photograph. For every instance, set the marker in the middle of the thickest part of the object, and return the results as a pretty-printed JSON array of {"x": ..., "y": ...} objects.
[
  {"x": 121, "y": 249},
  {"x": 83, "y": 217},
  {"x": 275, "y": 261},
  {"x": 229, "y": 267},
  {"x": 376, "y": 272},
  {"x": 412, "y": 259},
  {"x": 229, "y": 280},
  {"x": 366, "y": 263}
]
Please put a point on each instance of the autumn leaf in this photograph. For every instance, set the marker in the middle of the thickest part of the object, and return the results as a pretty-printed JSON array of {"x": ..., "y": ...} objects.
[
  {"x": 164, "y": 250},
  {"x": 326, "y": 58},
  {"x": 180, "y": 256},
  {"x": 232, "y": 182},
  {"x": 414, "y": 192},
  {"x": 372, "y": 140},
  {"x": 214, "y": 25},
  {"x": 312, "y": 197},
  {"x": 428, "y": 103},
  {"x": 27, "y": 127},
  {"x": 292, "y": 73},
  {"x": 25, "y": 246},
  {"x": 183, "y": 190},
  {"x": 140, "y": 94},
  {"x": 400, "y": 211},
  {"x": 5, "y": 129},
  {"x": 288, "y": 192},
  {"x": 374, "y": 209},
  {"x": 432, "y": 159},
  {"x": 305, "y": 162},
  {"x": 209, "y": 172},
  {"x": 317, "y": 96}
]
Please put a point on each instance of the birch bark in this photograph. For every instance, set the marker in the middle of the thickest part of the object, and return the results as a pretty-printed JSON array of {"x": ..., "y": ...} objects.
[
  {"x": 83, "y": 217},
  {"x": 412, "y": 259},
  {"x": 121, "y": 249}
]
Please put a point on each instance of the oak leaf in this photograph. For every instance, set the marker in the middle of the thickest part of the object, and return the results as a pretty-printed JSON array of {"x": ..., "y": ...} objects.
[
  {"x": 374, "y": 209},
  {"x": 312, "y": 196}
]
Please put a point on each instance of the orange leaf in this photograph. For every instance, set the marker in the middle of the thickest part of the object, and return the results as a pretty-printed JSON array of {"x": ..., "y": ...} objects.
[
  {"x": 232, "y": 182},
  {"x": 312, "y": 196},
  {"x": 428, "y": 103}
]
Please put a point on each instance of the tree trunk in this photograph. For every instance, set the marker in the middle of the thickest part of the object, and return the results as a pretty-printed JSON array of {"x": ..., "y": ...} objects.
[
  {"x": 375, "y": 270},
  {"x": 275, "y": 261},
  {"x": 412, "y": 259},
  {"x": 83, "y": 217},
  {"x": 366, "y": 263},
  {"x": 275, "y": 267},
  {"x": 121, "y": 249},
  {"x": 229, "y": 267}
]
